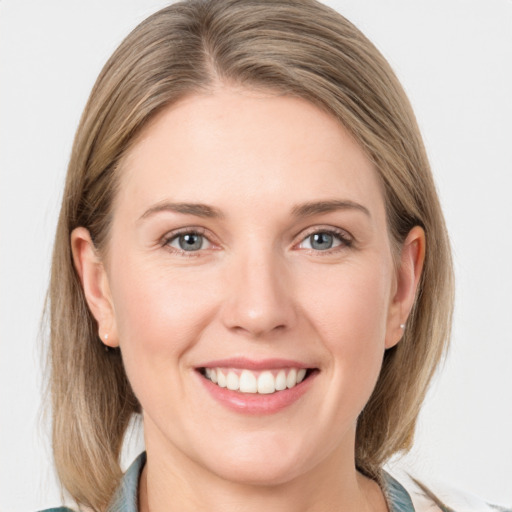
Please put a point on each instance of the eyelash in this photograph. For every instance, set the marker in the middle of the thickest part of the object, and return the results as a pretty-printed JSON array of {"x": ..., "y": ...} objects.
[
  {"x": 170, "y": 237},
  {"x": 345, "y": 239}
]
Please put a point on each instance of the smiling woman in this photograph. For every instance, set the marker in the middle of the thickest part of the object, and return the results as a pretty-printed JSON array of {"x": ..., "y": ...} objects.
[
  {"x": 251, "y": 255},
  {"x": 256, "y": 321}
]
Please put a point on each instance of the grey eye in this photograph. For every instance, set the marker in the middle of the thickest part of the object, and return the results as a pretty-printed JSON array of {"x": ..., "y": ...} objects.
[
  {"x": 321, "y": 241},
  {"x": 188, "y": 242}
]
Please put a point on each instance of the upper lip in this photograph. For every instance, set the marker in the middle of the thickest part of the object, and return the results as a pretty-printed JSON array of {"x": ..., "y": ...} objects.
[{"x": 243, "y": 363}]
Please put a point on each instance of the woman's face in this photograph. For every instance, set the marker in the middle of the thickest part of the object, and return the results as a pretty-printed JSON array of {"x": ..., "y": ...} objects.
[{"x": 249, "y": 246}]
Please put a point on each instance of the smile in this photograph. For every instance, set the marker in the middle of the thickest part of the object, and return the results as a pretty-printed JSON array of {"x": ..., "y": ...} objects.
[{"x": 263, "y": 382}]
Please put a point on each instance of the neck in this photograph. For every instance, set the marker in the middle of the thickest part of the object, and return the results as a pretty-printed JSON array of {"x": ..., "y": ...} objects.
[{"x": 171, "y": 481}]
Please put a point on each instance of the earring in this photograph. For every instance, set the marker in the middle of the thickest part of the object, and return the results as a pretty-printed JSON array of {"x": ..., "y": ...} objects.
[
  {"x": 402, "y": 326},
  {"x": 106, "y": 347}
]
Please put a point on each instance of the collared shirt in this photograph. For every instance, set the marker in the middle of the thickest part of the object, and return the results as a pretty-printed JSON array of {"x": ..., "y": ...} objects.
[{"x": 398, "y": 498}]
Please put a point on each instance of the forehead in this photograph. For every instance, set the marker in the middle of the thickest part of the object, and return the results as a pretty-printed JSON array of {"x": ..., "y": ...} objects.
[{"x": 248, "y": 146}]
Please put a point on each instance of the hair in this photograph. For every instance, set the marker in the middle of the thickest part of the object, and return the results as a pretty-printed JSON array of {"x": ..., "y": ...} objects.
[{"x": 299, "y": 48}]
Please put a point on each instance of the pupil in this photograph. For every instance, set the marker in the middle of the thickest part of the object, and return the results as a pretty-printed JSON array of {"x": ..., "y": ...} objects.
[
  {"x": 321, "y": 241},
  {"x": 190, "y": 242}
]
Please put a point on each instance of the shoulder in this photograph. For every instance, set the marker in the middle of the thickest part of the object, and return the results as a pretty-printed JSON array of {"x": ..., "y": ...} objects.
[
  {"x": 58, "y": 509},
  {"x": 125, "y": 497},
  {"x": 435, "y": 497}
]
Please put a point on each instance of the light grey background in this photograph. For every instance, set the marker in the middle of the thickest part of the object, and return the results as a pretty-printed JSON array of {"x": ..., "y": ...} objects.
[{"x": 454, "y": 58}]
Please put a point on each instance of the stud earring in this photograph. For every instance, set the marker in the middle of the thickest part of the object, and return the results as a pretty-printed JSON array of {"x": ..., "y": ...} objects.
[
  {"x": 106, "y": 347},
  {"x": 402, "y": 326}
]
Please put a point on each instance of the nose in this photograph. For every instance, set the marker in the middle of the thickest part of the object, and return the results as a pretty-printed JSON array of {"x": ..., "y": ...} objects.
[{"x": 259, "y": 295}]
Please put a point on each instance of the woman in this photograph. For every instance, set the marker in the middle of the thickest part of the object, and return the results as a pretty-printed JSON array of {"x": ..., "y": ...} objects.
[{"x": 251, "y": 254}]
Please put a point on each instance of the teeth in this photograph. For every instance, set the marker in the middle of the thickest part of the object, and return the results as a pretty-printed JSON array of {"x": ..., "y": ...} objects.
[
  {"x": 291, "y": 379},
  {"x": 232, "y": 381},
  {"x": 248, "y": 382},
  {"x": 264, "y": 383},
  {"x": 221, "y": 379},
  {"x": 281, "y": 381}
]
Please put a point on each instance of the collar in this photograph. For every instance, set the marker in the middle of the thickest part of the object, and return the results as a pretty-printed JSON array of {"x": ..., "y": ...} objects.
[{"x": 126, "y": 497}]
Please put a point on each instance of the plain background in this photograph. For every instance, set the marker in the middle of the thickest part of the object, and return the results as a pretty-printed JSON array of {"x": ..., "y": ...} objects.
[{"x": 454, "y": 58}]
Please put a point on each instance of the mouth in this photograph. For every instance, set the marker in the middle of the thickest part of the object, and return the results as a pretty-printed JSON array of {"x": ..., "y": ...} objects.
[
  {"x": 256, "y": 387},
  {"x": 256, "y": 382}
]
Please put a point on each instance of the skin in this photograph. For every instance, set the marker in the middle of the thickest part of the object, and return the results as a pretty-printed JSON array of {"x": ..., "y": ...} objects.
[{"x": 257, "y": 288}]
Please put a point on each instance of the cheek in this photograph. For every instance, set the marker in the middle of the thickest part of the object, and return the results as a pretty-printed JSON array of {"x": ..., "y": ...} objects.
[
  {"x": 350, "y": 315},
  {"x": 353, "y": 300},
  {"x": 157, "y": 307},
  {"x": 159, "y": 316}
]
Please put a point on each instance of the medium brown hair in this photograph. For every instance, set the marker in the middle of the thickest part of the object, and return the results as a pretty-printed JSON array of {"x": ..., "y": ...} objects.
[{"x": 299, "y": 48}]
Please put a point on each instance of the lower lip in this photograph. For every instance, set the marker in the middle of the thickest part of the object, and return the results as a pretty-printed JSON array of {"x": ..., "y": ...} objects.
[{"x": 255, "y": 403}]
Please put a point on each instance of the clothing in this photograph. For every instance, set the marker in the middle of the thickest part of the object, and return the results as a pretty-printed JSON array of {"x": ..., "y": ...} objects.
[{"x": 399, "y": 499}]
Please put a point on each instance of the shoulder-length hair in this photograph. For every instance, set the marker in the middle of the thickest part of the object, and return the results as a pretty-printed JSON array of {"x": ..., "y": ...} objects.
[{"x": 299, "y": 48}]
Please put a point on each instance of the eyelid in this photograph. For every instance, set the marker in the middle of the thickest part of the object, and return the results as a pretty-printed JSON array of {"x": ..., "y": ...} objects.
[
  {"x": 346, "y": 238},
  {"x": 171, "y": 235}
]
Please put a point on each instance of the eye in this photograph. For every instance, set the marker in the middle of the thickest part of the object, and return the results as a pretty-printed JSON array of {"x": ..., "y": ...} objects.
[
  {"x": 324, "y": 240},
  {"x": 190, "y": 242}
]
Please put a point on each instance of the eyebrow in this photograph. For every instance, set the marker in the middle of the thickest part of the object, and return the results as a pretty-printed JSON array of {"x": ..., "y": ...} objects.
[
  {"x": 315, "y": 208},
  {"x": 197, "y": 209},
  {"x": 301, "y": 210}
]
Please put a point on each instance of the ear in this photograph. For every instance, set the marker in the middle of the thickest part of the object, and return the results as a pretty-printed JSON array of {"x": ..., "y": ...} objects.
[
  {"x": 408, "y": 276},
  {"x": 94, "y": 279}
]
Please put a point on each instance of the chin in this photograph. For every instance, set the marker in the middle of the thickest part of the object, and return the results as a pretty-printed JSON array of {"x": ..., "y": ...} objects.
[
  {"x": 270, "y": 461},
  {"x": 267, "y": 473}
]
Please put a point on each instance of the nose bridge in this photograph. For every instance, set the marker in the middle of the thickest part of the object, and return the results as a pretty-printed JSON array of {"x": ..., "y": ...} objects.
[{"x": 259, "y": 298}]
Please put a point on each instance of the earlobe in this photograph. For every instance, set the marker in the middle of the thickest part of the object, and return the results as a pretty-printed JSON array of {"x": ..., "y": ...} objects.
[
  {"x": 94, "y": 279},
  {"x": 412, "y": 257}
]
